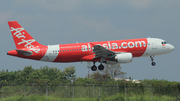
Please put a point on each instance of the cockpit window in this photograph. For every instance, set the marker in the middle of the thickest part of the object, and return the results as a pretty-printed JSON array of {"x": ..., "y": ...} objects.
[{"x": 164, "y": 42}]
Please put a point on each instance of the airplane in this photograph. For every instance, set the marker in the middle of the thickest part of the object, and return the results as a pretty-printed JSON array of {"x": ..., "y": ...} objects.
[{"x": 108, "y": 52}]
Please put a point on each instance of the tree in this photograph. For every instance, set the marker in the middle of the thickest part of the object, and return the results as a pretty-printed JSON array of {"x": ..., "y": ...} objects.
[
  {"x": 29, "y": 76},
  {"x": 114, "y": 71},
  {"x": 84, "y": 81},
  {"x": 99, "y": 78},
  {"x": 109, "y": 72},
  {"x": 69, "y": 73}
]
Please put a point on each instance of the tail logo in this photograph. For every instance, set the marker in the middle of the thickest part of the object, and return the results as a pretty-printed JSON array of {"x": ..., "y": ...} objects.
[
  {"x": 19, "y": 34},
  {"x": 18, "y": 30},
  {"x": 28, "y": 43}
]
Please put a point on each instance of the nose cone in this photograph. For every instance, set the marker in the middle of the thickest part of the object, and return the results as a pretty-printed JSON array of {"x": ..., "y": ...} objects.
[{"x": 171, "y": 48}]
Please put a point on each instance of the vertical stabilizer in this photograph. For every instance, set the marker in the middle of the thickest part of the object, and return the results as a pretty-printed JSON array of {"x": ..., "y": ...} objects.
[{"x": 21, "y": 37}]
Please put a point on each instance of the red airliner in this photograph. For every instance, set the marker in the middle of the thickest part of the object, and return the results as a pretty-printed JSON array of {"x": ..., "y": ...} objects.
[{"x": 109, "y": 52}]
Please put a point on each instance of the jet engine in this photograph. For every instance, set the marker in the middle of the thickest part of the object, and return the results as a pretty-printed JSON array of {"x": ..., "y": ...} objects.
[{"x": 122, "y": 58}]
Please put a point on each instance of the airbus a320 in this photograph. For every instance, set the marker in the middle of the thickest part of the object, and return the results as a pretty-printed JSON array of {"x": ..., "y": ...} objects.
[{"x": 108, "y": 52}]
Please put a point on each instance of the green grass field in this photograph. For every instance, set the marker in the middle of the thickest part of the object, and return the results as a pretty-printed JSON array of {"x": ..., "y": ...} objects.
[
  {"x": 117, "y": 97},
  {"x": 88, "y": 93}
]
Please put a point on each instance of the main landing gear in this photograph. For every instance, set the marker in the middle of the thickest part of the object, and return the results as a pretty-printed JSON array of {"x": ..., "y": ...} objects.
[
  {"x": 152, "y": 59},
  {"x": 101, "y": 67},
  {"x": 94, "y": 68}
]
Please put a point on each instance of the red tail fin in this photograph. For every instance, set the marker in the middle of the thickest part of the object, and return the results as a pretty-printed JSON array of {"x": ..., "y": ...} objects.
[{"x": 21, "y": 38}]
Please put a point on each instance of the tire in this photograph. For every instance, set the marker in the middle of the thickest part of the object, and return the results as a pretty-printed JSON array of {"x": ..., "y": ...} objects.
[
  {"x": 101, "y": 67},
  {"x": 153, "y": 63},
  {"x": 94, "y": 68}
]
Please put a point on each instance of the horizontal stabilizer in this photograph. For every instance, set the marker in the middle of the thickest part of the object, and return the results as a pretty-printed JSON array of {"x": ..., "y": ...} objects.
[{"x": 23, "y": 52}]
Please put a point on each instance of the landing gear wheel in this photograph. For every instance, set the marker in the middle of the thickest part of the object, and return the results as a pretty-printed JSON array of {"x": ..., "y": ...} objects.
[
  {"x": 152, "y": 59},
  {"x": 153, "y": 63},
  {"x": 93, "y": 68},
  {"x": 100, "y": 67}
]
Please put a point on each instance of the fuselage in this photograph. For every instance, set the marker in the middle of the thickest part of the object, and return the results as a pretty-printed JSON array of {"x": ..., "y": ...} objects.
[{"x": 84, "y": 51}]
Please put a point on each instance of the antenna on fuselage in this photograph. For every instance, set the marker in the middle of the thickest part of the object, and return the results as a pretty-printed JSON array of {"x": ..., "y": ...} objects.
[{"x": 76, "y": 42}]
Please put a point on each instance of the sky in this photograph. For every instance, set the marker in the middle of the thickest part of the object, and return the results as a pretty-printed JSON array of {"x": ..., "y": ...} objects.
[{"x": 70, "y": 21}]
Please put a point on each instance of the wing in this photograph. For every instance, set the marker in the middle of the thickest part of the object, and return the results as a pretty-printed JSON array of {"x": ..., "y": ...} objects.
[{"x": 102, "y": 52}]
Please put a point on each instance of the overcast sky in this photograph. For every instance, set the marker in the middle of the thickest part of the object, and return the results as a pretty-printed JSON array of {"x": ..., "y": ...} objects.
[{"x": 67, "y": 21}]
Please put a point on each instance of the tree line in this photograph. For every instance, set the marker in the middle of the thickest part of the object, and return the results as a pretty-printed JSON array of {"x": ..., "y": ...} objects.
[
  {"x": 55, "y": 76},
  {"x": 52, "y": 75},
  {"x": 40, "y": 76}
]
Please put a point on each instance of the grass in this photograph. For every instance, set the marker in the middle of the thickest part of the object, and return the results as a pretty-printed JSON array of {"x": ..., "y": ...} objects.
[
  {"x": 116, "y": 97},
  {"x": 43, "y": 98},
  {"x": 82, "y": 93}
]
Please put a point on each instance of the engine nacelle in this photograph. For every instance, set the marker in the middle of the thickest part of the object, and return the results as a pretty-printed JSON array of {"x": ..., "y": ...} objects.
[{"x": 122, "y": 58}]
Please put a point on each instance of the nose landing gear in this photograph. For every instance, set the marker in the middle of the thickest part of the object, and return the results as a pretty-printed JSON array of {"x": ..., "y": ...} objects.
[
  {"x": 153, "y": 63},
  {"x": 152, "y": 59}
]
